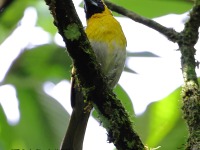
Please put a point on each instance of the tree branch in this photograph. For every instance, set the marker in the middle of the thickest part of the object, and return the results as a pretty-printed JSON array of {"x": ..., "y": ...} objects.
[
  {"x": 5, "y": 4},
  {"x": 170, "y": 33},
  {"x": 190, "y": 89},
  {"x": 112, "y": 114}
]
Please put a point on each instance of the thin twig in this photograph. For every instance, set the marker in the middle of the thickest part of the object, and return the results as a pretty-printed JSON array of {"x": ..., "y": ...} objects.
[{"x": 170, "y": 33}]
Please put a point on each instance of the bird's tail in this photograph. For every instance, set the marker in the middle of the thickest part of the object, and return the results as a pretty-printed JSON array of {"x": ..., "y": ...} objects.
[{"x": 78, "y": 122}]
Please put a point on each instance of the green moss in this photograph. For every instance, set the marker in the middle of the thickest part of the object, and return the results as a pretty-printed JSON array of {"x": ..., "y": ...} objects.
[
  {"x": 72, "y": 32},
  {"x": 130, "y": 144},
  {"x": 105, "y": 122}
]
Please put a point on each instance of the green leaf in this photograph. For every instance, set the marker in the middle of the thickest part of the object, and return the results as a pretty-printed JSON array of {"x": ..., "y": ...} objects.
[
  {"x": 176, "y": 138},
  {"x": 40, "y": 64},
  {"x": 160, "y": 120},
  {"x": 155, "y": 8},
  {"x": 5, "y": 131},
  {"x": 43, "y": 120}
]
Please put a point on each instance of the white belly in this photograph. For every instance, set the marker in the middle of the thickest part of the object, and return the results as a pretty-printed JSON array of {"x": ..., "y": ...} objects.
[{"x": 112, "y": 62}]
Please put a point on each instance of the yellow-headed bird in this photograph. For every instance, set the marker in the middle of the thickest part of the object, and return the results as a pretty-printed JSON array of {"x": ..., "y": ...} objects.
[{"x": 109, "y": 44}]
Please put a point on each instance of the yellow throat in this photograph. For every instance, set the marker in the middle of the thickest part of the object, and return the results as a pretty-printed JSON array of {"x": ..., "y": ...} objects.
[{"x": 108, "y": 42}]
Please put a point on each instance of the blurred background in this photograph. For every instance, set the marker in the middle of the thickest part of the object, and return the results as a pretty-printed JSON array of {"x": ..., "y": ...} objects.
[{"x": 35, "y": 77}]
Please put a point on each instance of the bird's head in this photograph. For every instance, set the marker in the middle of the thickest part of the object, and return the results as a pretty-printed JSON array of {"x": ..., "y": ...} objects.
[{"x": 93, "y": 7}]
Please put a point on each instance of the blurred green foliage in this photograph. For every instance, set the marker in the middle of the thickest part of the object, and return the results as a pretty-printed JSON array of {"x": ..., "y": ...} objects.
[
  {"x": 162, "y": 125},
  {"x": 43, "y": 120},
  {"x": 155, "y": 8}
]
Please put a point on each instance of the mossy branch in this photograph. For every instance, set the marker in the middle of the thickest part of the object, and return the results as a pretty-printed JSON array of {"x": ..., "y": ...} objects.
[
  {"x": 113, "y": 115},
  {"x": 190, "y": 89}
]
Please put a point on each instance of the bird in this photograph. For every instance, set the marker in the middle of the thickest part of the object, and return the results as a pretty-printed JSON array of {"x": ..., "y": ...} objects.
[{"x": 109, "y": 45}]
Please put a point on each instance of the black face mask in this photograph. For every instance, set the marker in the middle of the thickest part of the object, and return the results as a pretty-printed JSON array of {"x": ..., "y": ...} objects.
[{"x": 92, "y": 7}]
